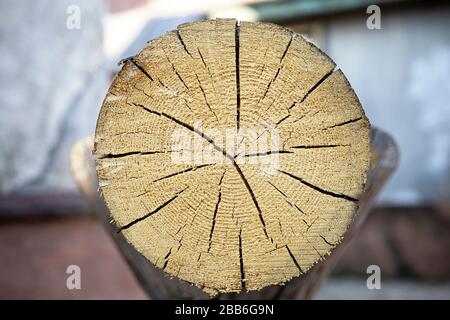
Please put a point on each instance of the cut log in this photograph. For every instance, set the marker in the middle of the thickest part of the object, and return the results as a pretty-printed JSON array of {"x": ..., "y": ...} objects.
[{"x": 232, "y": 155}]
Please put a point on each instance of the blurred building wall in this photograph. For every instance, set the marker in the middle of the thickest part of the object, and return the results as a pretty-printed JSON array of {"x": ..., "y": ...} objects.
[
  {"x": 401, "y": 74},
  {"x": 51, "y": 84}
]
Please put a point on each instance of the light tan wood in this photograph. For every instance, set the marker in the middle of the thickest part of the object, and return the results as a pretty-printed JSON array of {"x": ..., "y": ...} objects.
[{"x": 252, "y": 211}]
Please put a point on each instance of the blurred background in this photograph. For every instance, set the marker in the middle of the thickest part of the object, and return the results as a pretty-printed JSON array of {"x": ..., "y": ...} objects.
[{"x": 57, "y": 59}]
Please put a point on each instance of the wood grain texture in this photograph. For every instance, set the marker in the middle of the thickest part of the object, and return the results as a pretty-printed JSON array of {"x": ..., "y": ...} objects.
[{"x": 250, "y": 211}]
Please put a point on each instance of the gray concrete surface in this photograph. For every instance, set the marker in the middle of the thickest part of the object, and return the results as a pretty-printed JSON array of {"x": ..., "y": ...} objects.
[{"x": 356, "y": 289}]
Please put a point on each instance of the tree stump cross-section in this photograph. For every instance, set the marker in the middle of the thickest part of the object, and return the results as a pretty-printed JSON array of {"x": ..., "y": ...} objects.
[{"x": 232, "y": 154}]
